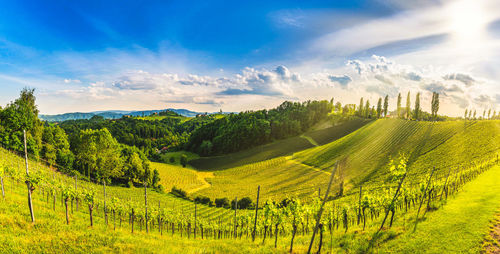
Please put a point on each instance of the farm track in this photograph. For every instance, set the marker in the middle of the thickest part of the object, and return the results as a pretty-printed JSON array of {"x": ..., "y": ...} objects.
[
  {"x": 202, "y": 177},
  {"x": 311, "y": 140}
]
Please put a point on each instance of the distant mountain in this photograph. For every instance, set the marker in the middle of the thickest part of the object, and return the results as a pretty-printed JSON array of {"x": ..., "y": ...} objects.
[{"x": 112, "y": 114}]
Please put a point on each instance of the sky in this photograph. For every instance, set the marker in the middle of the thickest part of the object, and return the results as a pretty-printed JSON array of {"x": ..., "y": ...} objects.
[{"x": 84, "y": 56}]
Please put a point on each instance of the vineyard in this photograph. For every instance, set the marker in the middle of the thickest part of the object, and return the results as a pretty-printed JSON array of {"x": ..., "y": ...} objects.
[{"x": 410, "y": 190}]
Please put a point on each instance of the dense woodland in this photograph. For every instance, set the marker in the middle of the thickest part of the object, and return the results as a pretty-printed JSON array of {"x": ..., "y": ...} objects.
[
  {"x": 241, "y": 131},
  {"x": 91, "y": 154}
]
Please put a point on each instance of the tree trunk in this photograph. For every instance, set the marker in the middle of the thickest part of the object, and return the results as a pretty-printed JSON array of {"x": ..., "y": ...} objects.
[
  {"x": 320, "y": 238},
  {"x": 293, "y": 237},
  {"x": 276, "y": 236},
  {"x": 67, "y": 215},
  {"x": 91, "y": 210},
  {"x": 265, "y": 231}
]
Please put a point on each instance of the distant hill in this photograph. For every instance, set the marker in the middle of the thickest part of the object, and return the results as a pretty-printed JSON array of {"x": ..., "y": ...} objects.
[{"x": 112, "y": 114}]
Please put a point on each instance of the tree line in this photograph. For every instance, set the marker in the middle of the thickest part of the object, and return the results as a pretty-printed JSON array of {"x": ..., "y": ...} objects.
[{"x": 89, "y": 153}]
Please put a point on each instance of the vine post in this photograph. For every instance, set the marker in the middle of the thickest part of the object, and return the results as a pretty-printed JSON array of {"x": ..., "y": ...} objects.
[
  {"x": 256, "y": 211},
  {"x": 146, "y": 204},
  {"x": 235, "y": 221},
  {"x": 320, "y": 212},
  {"x": 28, "y": 183},
  {"x": 422, "y": 199}
]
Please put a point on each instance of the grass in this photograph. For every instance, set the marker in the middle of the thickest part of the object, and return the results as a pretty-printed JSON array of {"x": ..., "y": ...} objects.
[
  {"x": 278, "y": 178},
  {"x": 460, "y": 226},
  {"x": 185, "y": 178},
  {"x": 443, "y": 145},
  {"x": 278, "y": 148},
  {"x": 165, "y": 157}
]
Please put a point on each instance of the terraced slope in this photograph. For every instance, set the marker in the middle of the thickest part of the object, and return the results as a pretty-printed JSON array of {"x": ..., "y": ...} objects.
[
  {"x": 279, "y": 148},
  {"x": 443, "y": 145},
  {"x": 428, "y": 144}
]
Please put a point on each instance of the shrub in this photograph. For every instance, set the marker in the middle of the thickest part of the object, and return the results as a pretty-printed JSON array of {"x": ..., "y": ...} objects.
[
  {"x": 222, "y": 202},
  {"x": 245, "y": 203},
  {"x": 178, "y": 192}
]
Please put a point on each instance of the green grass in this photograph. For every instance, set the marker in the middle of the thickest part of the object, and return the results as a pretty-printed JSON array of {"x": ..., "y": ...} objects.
[
  {"x": 459, "y": 227},
  {"x": 278, "y": 148},
  {"x": 185, "y": 178},
  {"x": 278, "y": 178},
  {"x": 428, "y": 144},
  {"x": 165, "y": 157}
]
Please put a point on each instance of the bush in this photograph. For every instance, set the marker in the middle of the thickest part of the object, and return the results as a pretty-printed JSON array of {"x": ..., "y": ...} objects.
[
  {"x": 184, "y": 160},
  {"x": 178, "y": 192},
  {"x": 130, "y": 184},
  {"x": 172, "y": 159},
  {"x": 222, "y": 202},
  {"x": 203, "y": 200},
  {"x": 245, "y": 203}
]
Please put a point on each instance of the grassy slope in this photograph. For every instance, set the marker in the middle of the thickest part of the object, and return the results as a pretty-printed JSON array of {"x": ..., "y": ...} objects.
[
  {"x": 278, "y": 148},
  {"x": 133, "y": 194},
  {"x": 460, "y": 226},
  {"x": 427, "y": 144},
  {"x": 370, "y": 149},
  {"x": 184, "y": 178},
  {"x": 278, "y": 179}
]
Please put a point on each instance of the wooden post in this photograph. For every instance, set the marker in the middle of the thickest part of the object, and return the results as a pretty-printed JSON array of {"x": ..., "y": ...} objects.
[
  {"x": 195, "y": 208},
  {"x": 30, "y": 203},
  {"x": 320, "y": 212},
  {"x": 146, "y": 204},
  {"x": 359, "y": 204},
  {"x": 256, "y": 210},
  {"x": 159, "y": 217},
  {"x": 445, "y": 183},
  {"x": 76, "y": 191},
  {"x": 105, "y": 211},
  {"x": 422, "y": 200},
  {"x": 235, "y": 222}
]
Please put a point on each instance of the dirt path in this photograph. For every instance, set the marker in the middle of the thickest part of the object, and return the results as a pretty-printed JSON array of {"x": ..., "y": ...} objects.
[
  {"x": 492, "y": 243},
  {"x": 202, "y": 177},
  {"x": 312, "y": 141}
]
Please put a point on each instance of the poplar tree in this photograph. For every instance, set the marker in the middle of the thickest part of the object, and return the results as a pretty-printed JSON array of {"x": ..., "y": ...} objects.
[
  {"x": 367, "y": 109},
  {"x": 386, "y": 105},
  {"x": 379, "y": 107},
  {"x": 408, "y": 110},
  {"x": 417, "y": 107},
  {"x": 465, "y": 114},
  {"x": 489, "y": 113},
  {"x": 399, "y": 105},
  {"x": 360, "y": 109}
]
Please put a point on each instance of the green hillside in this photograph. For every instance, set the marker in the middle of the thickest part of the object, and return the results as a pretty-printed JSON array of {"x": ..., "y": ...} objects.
[
  {"x": 443, "y": 145},
  {"x": 279, "y": 148}
]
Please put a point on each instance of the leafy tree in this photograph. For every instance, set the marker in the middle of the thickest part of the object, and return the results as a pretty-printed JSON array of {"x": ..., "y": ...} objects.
[
  {"x": 184, "y": 160},
  {"x": 416, "y": 112},
  {"x": 386, "y": 105},
  {"x": 399, "y": 105},
  {"x": 408, "y": 109},
  {"x": 379, "y": 107},
  {"x": 360, "y": 108},
  {"x": 244, "y": 203},
  {"x": 489, "y": 113},
  {"x": 367, "y": 110},
  {"x": 22, "y": 114},
  {"x": 465, "y": 114}
]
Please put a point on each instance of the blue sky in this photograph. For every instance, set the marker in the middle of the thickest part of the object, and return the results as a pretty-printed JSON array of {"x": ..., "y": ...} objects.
[{"x": 237, "y": 55}]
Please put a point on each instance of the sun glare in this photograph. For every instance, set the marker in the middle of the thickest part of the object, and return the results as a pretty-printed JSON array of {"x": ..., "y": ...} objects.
[{"x": 467, "y": 21}]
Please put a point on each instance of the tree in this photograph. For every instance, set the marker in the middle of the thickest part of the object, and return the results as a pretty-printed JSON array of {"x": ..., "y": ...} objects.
[
  {"x": 417, "y": 109},
  {"x": 474, "y": 114},
  {"x": 360, "y": 108},
  {"x": 184, "y": 160},
  {"x": 408, "y": 110},
  {"x": 386, "y": 105},
  {"x": 399, "y": 105},
  {"x": 22, "y": 114},
  {"x": 434, "y": 104},
  {"x": 465, "y": 114},
  {"x": 489, "y": 113},
  {"x": 367, "y": 109},
  {"x": 470, "y": 114},
  {"x": 379, "y": 107},
  {"x": 484, "y": 113}
]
